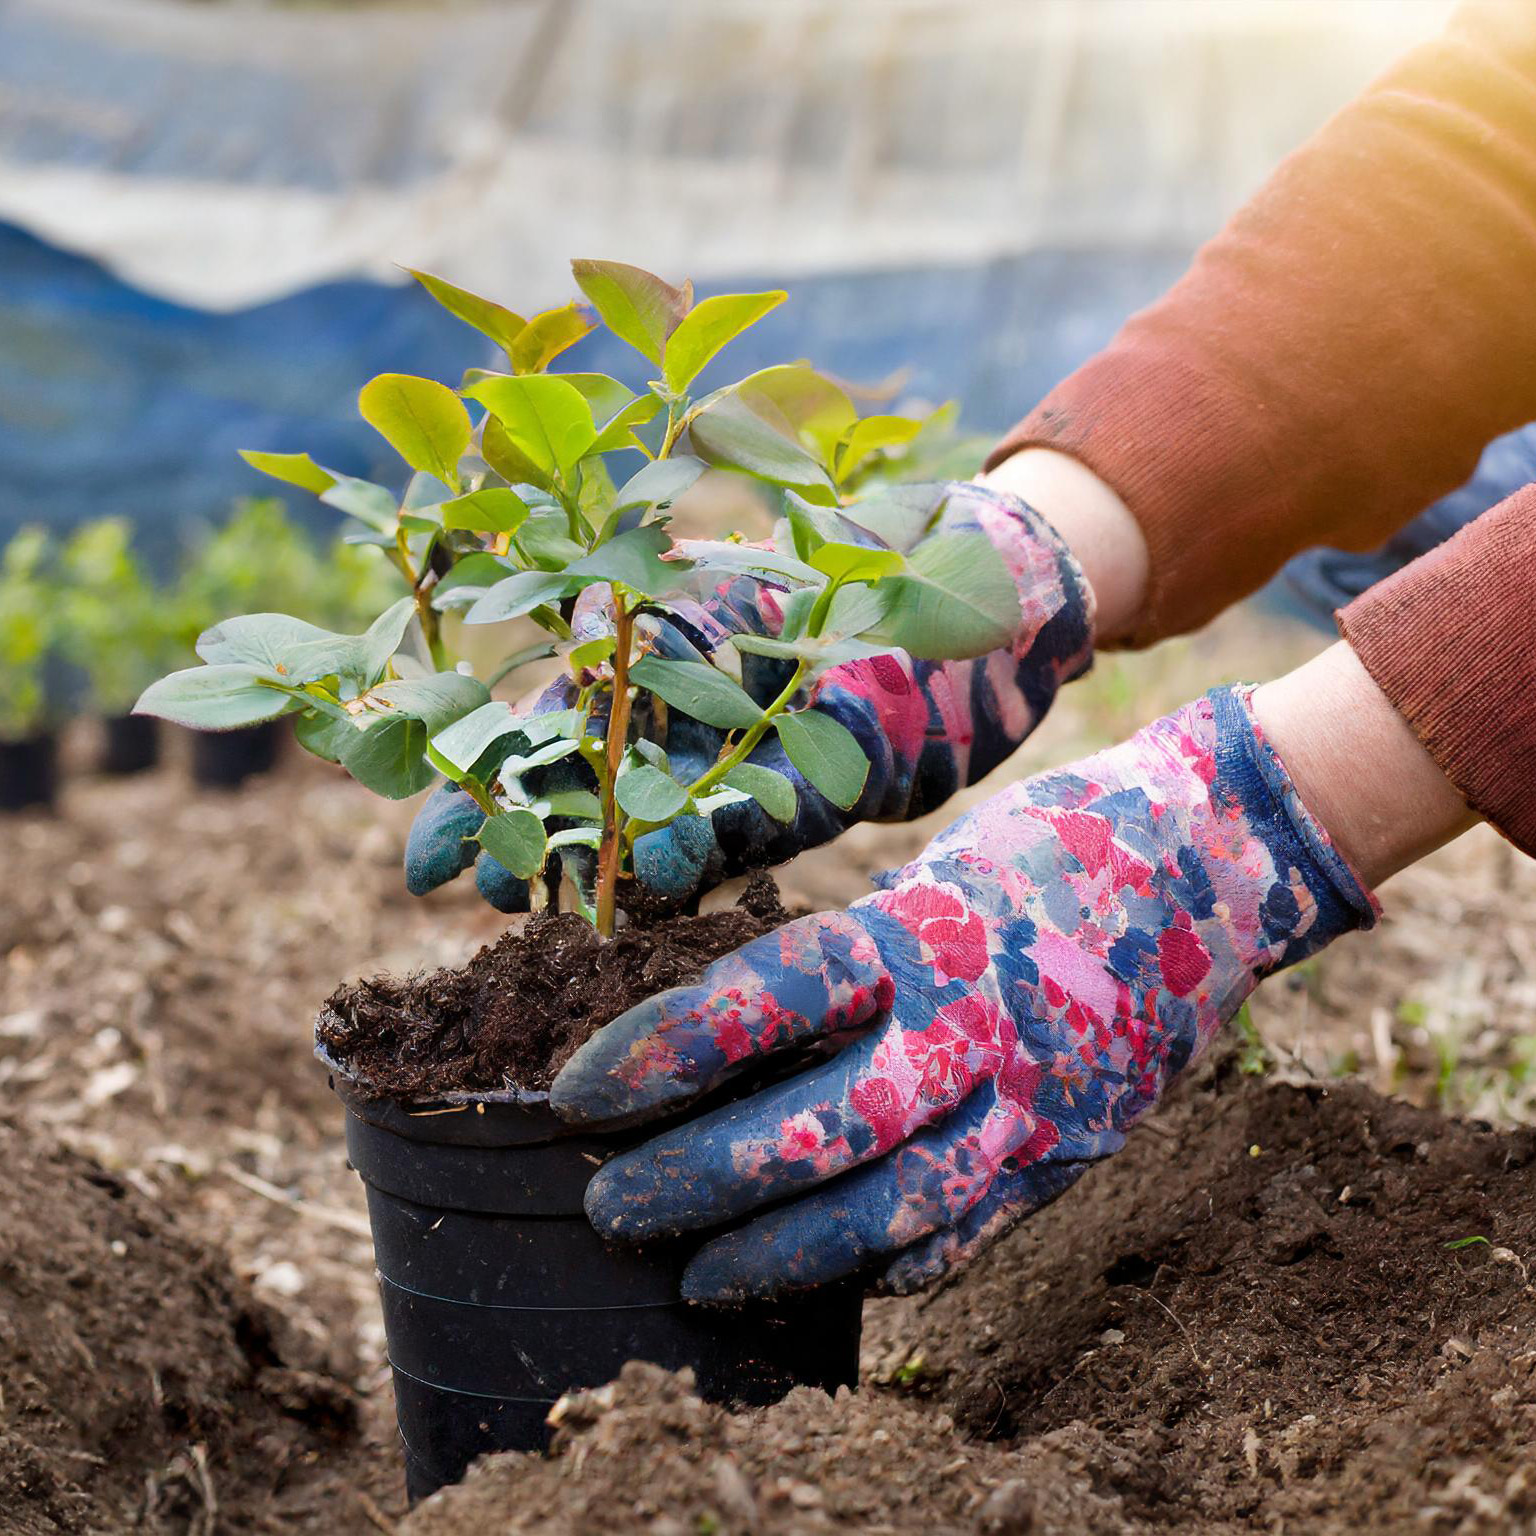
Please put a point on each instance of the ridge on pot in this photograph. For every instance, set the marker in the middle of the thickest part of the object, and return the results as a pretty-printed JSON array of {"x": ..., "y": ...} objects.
[{"x": 499, "y": 1296}]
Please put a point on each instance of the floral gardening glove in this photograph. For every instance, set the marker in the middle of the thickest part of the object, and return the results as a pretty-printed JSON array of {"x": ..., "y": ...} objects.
[
  {"x": 927, "y": 728},
  {"x": 1006, "y": 1008}
]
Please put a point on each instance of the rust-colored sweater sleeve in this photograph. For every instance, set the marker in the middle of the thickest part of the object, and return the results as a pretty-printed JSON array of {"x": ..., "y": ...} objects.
[
  {"x": 1336, "y": 359},
  {"x": 1451, "y": 640}
]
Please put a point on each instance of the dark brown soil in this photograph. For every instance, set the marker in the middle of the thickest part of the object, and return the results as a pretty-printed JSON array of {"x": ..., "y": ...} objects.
[
  {"x": 515, "y": 1014},
  {"x": 142, "y": 1385},
  {"x": 1250, "y": 1320}
]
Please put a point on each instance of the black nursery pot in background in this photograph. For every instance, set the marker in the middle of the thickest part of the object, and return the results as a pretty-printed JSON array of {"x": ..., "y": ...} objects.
[
  {"x": 499, "y": 1296},
  {"x": 226, "y": 759},
  {"x": 129, "y": 743},
  {"x": 28, "y": 773}
]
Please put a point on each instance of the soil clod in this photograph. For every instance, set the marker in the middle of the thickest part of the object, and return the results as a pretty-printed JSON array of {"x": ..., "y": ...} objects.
[{"x": 521, "y": 1007}]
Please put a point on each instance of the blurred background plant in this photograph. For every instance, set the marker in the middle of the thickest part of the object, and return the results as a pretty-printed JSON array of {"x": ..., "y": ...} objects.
[{"x": 28, "y": 627}]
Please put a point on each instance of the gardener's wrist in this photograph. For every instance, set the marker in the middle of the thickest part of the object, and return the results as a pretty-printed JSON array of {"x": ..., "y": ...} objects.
[
  {"x": 1094, "y": 523},
  {"x": 1357, "y": 766}
]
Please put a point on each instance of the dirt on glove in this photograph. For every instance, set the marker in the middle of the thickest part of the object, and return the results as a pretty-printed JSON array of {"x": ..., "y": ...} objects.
[{"x": 518, "y": 1011}]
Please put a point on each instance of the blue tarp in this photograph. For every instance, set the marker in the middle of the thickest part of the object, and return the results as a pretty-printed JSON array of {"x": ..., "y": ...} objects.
[{"x": 112, "y": 400}]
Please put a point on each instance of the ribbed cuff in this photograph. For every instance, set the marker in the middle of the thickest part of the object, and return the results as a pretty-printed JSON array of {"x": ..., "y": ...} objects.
[
  {"x": 1250, "y": 770},
  {"x": 1450, "y": 640}
]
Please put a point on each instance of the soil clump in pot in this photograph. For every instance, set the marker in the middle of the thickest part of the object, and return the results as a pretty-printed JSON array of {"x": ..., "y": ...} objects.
[{"x": 521, "y": 1007}]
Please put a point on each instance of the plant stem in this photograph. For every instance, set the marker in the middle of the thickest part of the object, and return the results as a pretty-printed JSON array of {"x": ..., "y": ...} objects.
[
  {"x": 676, "y": 419},
  {"x": 618, "y": 731},
  {"x": 753, "y": 733}
]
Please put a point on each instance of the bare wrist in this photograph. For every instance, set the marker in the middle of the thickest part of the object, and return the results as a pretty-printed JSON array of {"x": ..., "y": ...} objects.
[
  {"x": 1096, "y": 526},
  {"x": 1357, "y": 765}
]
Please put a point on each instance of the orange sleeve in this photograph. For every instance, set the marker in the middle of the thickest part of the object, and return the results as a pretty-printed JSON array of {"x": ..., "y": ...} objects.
[{"x": 1336, "y": 359}]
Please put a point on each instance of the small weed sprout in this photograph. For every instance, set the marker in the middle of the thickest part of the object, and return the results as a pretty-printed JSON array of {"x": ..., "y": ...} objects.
[{"x": 513, "y": 509}]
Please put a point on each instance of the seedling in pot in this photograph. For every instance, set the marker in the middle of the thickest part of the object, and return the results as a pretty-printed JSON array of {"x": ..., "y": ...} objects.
[{"x": 545, "y": 497}]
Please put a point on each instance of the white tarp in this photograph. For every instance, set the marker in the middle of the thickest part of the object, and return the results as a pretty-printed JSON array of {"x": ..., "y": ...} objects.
[{"x": 221, "y": 154}]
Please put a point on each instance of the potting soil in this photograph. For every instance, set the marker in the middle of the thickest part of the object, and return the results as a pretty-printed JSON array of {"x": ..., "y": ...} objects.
[{"x": 522, "y": 1006}]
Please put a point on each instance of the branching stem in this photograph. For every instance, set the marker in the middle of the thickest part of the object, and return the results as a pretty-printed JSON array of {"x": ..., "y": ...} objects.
[{"x": 608, "y": 854}]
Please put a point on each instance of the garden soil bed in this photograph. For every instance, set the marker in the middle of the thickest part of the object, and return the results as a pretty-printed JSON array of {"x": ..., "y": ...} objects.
[
  {"x": 1199, "y": 1338},
  {"x": 1249, "y": 1321}
]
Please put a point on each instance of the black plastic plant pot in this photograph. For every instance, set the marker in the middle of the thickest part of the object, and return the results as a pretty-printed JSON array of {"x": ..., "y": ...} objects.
[
  {"x": 499, "y": 1297},
  {"x": 226, "y": 759},
  {"x": 129, "y": 743},
  {"x": 28, "y": 773}
]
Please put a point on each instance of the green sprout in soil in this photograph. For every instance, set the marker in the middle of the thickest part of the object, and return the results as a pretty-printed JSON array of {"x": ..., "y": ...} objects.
[{"x": 522, "y": 504}]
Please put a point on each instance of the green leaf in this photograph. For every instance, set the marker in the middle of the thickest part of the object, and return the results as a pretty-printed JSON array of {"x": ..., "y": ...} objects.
[
  {"x": 633, "y": 558},
  {"x": 699, "y": 690},
  {"x": 490, "y": 319},
  {"x": 648, "y": 794},
  {"x": 825, "y": 651},
  {"x": 322, "y": 734},
  {"x": 293, "y": 652},
  {"x": 388, "y": 757},
  {"x": 707, "y": 327},
  {"x": 546, "y": 336},
  {"x": 540, "y": 757},
  {"x": 388, "y": 751},
  {"x": 869, "y": 436},
  {"x": 456, "y": 750},
  {"x": 493, "y": 510},
  {"x": 605, "y": 396},
  {"x": 810, "y": 407},
  {"x": 618, "y": 431},
  {"x": 659, "y": 483},
  {"x": 955, "y": 599},
  {"x": 217, "y": 698},
  {"x": 636, "y": 305},
  {"x": 581, "y": 804},
  {"x": 436, "y": 700},
  {"x": 546, "y": 419},
  {"x": 520, "y": 594},
  {"x": 422, "y": 420},
  {"x": 468, "y": 577},
  {"x": 899, "y": 515},
  {"x": 733, "y": 436},
  {"x": 293, "y": 468},
  {"x": 507, "y": 459},
  {"x": 748, "y": 560},
  {"x": 546, "y": 541},
  {"x": 515, "y": 839},
  {"x": 591, "y": 653},
  {"x": 856, "y": 562},
  {"x": 828, "y": 754},
  {"x": 265, "y": 641},
  {"x": 362, "y": 499},
  {"x": 767, "y": 786}
]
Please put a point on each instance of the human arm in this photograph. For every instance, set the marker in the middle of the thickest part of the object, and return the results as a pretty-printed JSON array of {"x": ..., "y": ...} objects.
[
  {"x": 1014, "y": 1000},
  {"x": 1341, "y": 353}
]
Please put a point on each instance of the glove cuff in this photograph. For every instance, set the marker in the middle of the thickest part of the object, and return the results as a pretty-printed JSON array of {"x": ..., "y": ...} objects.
[{"x": 1251, "y": 776}]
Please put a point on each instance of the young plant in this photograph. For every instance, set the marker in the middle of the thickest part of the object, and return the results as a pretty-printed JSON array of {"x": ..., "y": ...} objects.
[
  {"x": 545, "y": 496},
  {"x": 114, "y": 625},
  {"x": 29, "y": 627}
]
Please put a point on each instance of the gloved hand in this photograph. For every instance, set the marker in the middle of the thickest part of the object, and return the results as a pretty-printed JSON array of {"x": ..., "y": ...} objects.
[
  {"x": 927, "y": 728},
  {"x": 1007, "y": 1006}
]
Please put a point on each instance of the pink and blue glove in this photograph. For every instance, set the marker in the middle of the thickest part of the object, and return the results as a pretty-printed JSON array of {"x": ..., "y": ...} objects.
[
  {"x": 927, "y": 728},
  {"x": 1001, "y": 1013}
]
